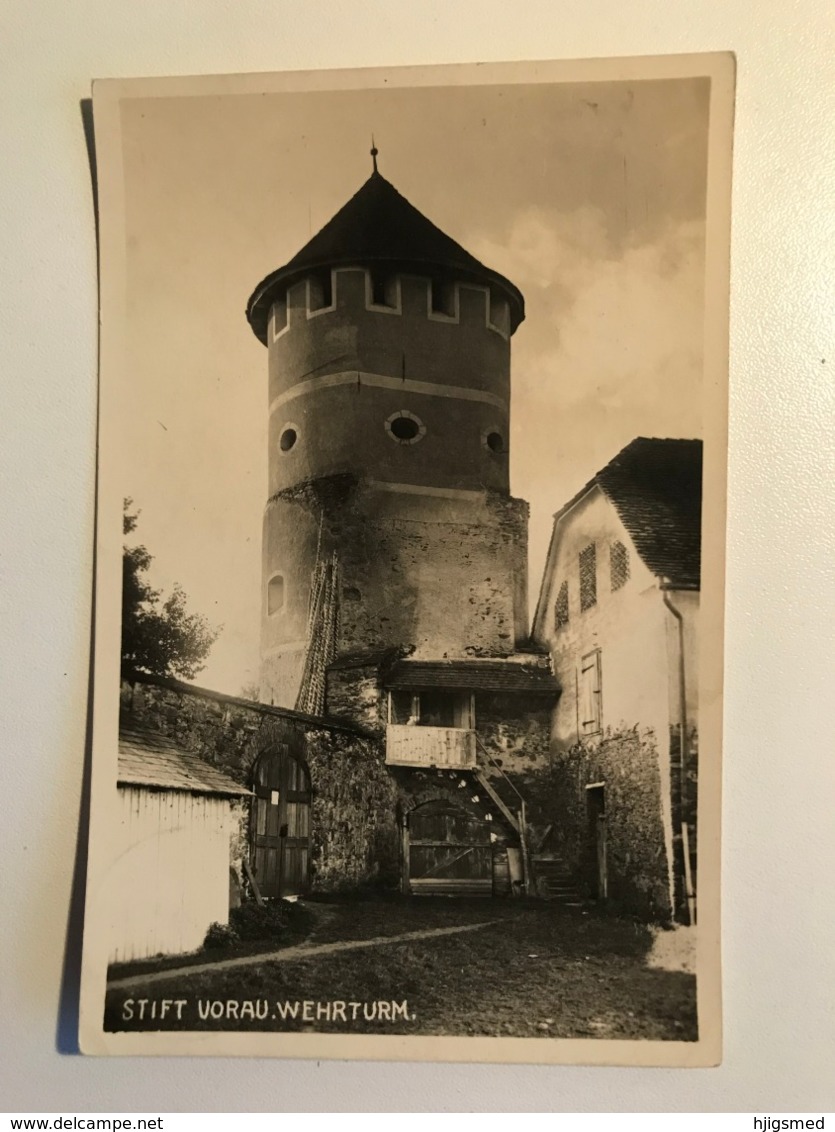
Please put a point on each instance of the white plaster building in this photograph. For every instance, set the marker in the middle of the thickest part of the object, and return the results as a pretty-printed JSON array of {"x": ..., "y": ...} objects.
[{"x": 618, "y": 611}]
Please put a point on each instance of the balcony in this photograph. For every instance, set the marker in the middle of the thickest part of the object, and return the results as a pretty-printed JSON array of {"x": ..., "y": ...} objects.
[{"x": 416, "y": 745}]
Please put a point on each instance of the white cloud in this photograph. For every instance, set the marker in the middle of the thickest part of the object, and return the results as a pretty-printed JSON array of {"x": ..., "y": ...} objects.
[
  {"x": 611, "y": 348},
  {"x": 604, "y": 324}
]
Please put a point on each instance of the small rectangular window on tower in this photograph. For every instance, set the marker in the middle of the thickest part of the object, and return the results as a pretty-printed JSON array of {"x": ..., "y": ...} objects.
[
  {"x": 588, "y": 576},
  {"x": 499, "y": 314},
  {"x": 383, "y": 290},
  {"x": 618, "y": 565},
  {"x": 561, "y": 607},
  {"x": 279, "y": 315},
  {"x": 442, "y": 297},
  {"x": 320, "y": 291}
]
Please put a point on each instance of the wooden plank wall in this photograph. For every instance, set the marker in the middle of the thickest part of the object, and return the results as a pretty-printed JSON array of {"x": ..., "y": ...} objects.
[
  {"x": 429, "y": 746},
  {"x": 170, "y": 877}
]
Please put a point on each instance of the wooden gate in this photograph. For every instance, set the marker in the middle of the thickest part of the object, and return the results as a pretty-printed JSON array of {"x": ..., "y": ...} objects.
[
  {"x": 281, "y": 829},
  {"x": 448, "y": 852}
]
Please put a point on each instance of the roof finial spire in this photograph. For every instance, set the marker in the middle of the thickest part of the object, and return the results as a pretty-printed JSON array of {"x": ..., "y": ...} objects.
[{"x": 374, "y": 152}]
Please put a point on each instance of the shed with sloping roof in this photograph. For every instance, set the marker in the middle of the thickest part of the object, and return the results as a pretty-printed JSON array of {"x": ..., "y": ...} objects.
[{"x": 177, "y": 822}]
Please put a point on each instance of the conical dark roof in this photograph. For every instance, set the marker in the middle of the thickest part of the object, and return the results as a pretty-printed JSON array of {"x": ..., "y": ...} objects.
[{"x": 379, "y": 226}]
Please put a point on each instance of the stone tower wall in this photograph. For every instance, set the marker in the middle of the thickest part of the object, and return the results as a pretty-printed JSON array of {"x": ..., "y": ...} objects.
[
  {"x": 432, "y": 549},
  {"x": 338, "y": 374},
  {"x": 439, "y": 576}
]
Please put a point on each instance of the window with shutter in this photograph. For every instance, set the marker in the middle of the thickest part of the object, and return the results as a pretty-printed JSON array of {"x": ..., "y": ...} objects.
[
  {"x": 588, "y": 577},
  {"x": 589, "y": 690},
  {"x": 561, "y": 607},
  {"x": 618, "y": 565}
]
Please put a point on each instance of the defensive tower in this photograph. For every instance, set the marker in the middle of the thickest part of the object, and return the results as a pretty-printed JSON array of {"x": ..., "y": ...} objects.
[{"x": 389, "y": 412}]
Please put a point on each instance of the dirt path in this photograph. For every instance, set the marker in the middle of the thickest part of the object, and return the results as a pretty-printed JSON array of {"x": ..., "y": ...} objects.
[{"x": 302, "y": 951}]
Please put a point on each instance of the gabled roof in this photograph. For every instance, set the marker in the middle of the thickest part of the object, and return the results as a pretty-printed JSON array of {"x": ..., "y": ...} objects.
[
  {"x": 378, "y": 226},
  {"x": 512, "y": 674},
  {"x": 655, "y": 485},
  {"x": 148, "y": 758}
]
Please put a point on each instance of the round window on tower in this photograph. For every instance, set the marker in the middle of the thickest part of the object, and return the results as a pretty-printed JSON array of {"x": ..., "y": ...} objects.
[
  {"x": 494, "y": 441},
  {"x": 405, "y": 428},
  {"x": 289, "y": 436}
]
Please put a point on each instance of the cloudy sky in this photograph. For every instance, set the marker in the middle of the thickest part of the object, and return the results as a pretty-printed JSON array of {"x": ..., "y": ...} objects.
[{"x": 589, "y": 197}]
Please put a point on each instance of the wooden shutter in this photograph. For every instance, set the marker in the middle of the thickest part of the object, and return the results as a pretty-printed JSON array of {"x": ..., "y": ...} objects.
[{"x": 590, "y": 718}]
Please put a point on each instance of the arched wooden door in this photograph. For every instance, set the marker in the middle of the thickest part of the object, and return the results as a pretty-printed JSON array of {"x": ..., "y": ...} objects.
[
  {"x": 281, "y": 827},
  {"x": 449, "y": 851}
]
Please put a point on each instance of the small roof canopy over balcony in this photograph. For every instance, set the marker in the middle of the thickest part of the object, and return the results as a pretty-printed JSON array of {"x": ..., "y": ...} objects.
[{"x": 529, "y": 674}]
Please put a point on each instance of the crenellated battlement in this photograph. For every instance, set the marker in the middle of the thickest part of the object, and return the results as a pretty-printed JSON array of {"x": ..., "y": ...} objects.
[
  {"x": 360, "y": 289},
  {"x": 397, "y": 327}
]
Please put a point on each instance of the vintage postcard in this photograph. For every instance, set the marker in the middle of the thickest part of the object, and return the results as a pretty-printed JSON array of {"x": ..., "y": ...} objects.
[{"x": 410, "y": 564}]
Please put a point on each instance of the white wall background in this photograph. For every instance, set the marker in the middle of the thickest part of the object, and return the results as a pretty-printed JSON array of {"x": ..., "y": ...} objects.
[{"x": 778, "y": 906}]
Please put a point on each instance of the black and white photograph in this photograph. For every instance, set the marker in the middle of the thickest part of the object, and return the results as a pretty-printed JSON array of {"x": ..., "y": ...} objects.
[{"x": 410, "y": 563}]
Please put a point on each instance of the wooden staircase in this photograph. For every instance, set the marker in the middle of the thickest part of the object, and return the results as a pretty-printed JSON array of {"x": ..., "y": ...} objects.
[
  {"x": 554, "y": 881},
  {"x": 492, "y": 793},
  {"x": 515, "y": 818},
  {"x": 547, "y": 875}
]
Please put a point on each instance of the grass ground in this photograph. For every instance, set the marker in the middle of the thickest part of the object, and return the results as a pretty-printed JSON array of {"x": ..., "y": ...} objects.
[
  {"x": 298, "y": 921},
  {"x": 537, "y": 970}
]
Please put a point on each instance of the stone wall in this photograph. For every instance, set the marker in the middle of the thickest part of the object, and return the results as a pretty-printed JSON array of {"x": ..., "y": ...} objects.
[
  {"x": 638, "y": 869},
  {"x": 444, "y": 577},
  {"x": 353, "y": 693},
  {"x": 514, "y": 730},
  {"x": 355, "y": 837},
  {"x": 441, "y": 576},
  {"x": 354, "y": 831}
]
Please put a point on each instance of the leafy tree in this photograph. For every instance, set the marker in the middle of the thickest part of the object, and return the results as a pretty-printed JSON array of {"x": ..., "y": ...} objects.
[{"x": 159, "y": 636}]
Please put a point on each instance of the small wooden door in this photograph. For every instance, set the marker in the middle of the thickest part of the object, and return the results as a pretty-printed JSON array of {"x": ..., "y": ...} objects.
[
  {"x": 602, "y": 865},
  {"x": 598, "y": 866},
  {"x": 281, "y": 829},
  {"x": 449, "y": 852}
]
